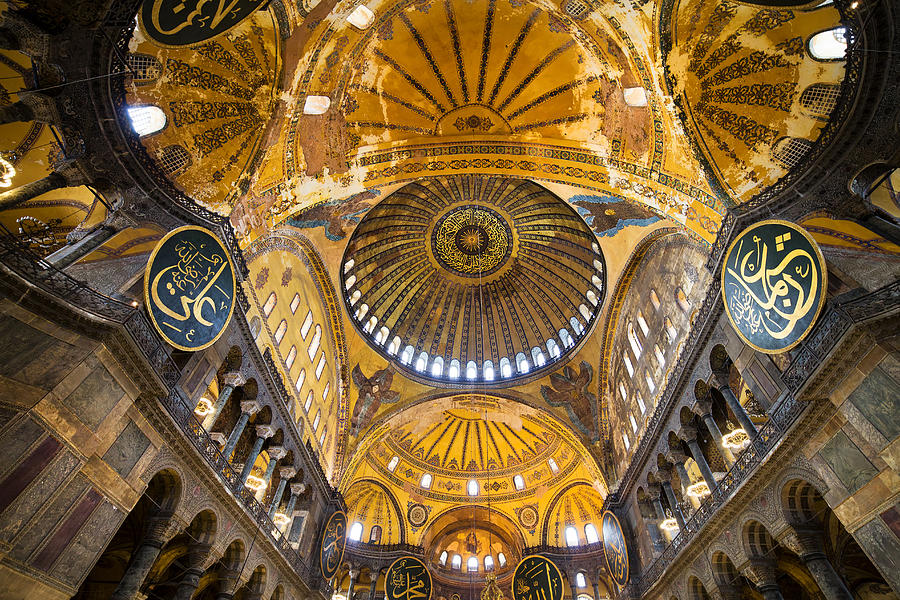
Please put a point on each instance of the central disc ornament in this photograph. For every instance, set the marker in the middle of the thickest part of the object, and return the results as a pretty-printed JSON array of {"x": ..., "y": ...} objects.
[{"x": 472, "y": 241}]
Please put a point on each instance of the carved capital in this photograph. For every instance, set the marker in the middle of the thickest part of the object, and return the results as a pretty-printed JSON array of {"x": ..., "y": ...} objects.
[
  {"x": 218, "y": 437},
  {"x": 287, "y": 472},
  {"x": 703, "y": 407},
  {"x": 720, "y": 380},
  {"x": 654, "y": 490},
  {"x": 688, "y": 433},
  {"x": 264, "y": 431},
  {"x": 298, "y": 488},
  {"x": 72, "y": 173},
  {"x": 277, "y": 452},
  {"x": 251, "y": 407},
  {"x": 664, "y": 475},
  {"x": 676, "y": 455},
  {"x": 42, "y": 106},
  {"x": 234, "y": 379},
  {"x": 761, "y": 571},
  {"x": 161, "y": 528},
  {"x": 804, "y": 541}
]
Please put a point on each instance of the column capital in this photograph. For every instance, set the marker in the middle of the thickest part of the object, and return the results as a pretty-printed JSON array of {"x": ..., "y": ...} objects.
[
  {"x": 703, "y": 406},
  {"x": 72, "y": 173},
  {"x": 298, "y": 488},
  {"x": 234, "y": 379},
  {"x": 218, "y": 437},
  {"x": 276, "y": 452},
  {"x": 287, "y": 472},
  {"x": 265, "y": 431},
  {"x": 664, "y": 475},
  {"x": 654, "y": 490},
  {"x": 760, "y": 570},
  {"x": 720, "y": 380},
  {"x": 688, "y": 433},
  {"x": 676, "y": 456},
  {"x": 250, "y": 407},
  {"x": 805, "y": 541},
  {"x": 42, "y": 106}
]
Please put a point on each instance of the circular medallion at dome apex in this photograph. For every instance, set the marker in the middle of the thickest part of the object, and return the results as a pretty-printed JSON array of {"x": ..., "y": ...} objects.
[{"x": 473, "y": 278}]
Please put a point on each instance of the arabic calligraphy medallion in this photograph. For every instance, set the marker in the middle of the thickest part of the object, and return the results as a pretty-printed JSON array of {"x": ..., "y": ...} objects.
[
  {"x": 407, "y": 579},
  {"x": 773, "y": 284},
  {"x": 472, "y": 241},
  {"x": 173, "y": 23},
  {"x": 537, "y": 578},
  {"x": 615, "y": 549},
  {"x": 331, "y": 550},
  {"x": 189, "y": 288}
]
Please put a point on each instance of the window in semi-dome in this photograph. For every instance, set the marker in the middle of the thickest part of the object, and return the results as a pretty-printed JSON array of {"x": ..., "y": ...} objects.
[
  {"x": 590, "y": 533},
  {"x": 437, "y": 367},
  {"x": 571, "y": 536},
  {"x": 642, "y": 323},
  {"x": 314, "y": 344},
  {"x": 443, "y": 558},
  {"x": 650, "y": 384},
  {"x": 321, "y": 366},
  {"x": 453, "y": 371},
  {"x": 565, "y": 338},
  {"x": 580, "y": 580},
  {"x": 394, "y": 346},
  {"x": 641, "y": 405},
  {"x": 146, "y": 120},
  {"x": 350, "y": 281},
  {"x": 592, "y": 297},
  {"x": 375, "y": 534},
  {"x": 322, "y": 437},
  {"x": 370, "y": 325},
  {"x": 292, "y": 355},
  {"x": 682, "y": 300},
  {"x": 279, "y": 333},
  {"x": 393, "y": 463},
  {"x": 626, "y": 440},
  {"x": 659, "y": 355},
  {"x": 671, "y": 332},
  {"x": 622, "y": 391},
  {"x": 354, "y": 298},
  {"x": 295, "y": 303},
  {"x": 425, "y": 482},
  {"x": 421, "y": 362},
  {"x": 456, "y": 563},
  {"x": 820, "y": 99},
  {"x": 521, "y": 363},
  {"x": 636, "y": 346},
  {"x": 301, "y": 378},
  {"x": 361, "y": 311},
  {"x": 308, "y": 403},
  {"x": 829, "y": 45},
  {"x": 519, "y": 482},
  {"x": 356, "y": 531},
  {"x": 553, "y": 466},
  {"x": 472, "y": 564},
  {"x": 488, "y": 563},
  {"x": 501, "y": 559},
  {"x": 538, "y": 356},
  {"x": 407, "y": 355},
  {"x": 326, "y": 390},
  {"x": 382, "y": 335},
  {"x": 317, "y": 419},
  {"x": 576, "y": 325},
  {"x": 628, "y": 366},
  {"x": 472, "y": 487},
  {"x": 307, "y": 323},
  {"x": 553, "y": 348},
  {"x": 654, "y": 299},
  {"x": 269, "y": 306}
]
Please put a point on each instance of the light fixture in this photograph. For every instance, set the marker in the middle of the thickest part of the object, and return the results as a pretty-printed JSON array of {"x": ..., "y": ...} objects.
[
  {"x": 491, "y": 590},
  {"x": 134, "y": 303},
  {"x": 736, "y": 438},
  {"x": 204, "y": 407},
  {"x": 255, "y": 483},
  {"x": 281, "y": 519},
  {"x": 337, "y": 596},
  {"x": 698, "y": 490},
  {"x": 669, "y": 523},
  {"x": 7, "y": 172},
  {"x": 854, "y": 5}
]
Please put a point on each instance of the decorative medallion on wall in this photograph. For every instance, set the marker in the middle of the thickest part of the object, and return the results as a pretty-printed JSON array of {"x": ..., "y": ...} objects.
[
  {"x": 537, "y": 578},
  {"x": 774, "y": 280},
  {"x": 615, "y": 549},
  {"x": 407, "y": 579},
  {"x": 417, "y": 514},
  {"x": 173, "y": 23},
  {"x": 331, "y": 549},
  {"x": 528, "y": 516},
  {"x": 189, "y": 288}
]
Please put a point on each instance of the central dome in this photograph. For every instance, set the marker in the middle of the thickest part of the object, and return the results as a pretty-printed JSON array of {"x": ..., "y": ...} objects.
[{"x": 473, "y": 278}]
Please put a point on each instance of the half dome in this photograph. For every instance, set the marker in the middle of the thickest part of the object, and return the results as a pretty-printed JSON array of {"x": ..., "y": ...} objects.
[{"x": 473, "y": 279}]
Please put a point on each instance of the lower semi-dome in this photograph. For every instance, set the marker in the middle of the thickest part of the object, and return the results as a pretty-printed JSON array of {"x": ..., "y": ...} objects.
[{"x": 473, "y": 278}]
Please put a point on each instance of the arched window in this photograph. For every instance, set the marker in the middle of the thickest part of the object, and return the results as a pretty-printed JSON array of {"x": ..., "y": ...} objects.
[
  {"x": 622, "y": 391},
  {"x": 789, "y": 151},
  {"x": 354, "y": 297},
  {"x": 820, "y": 99},
  {"x": 456, "y": 563},
  {"x": 308, "y": 403},
  {"x": 519, "y": 482},
  {"x": 320, "y": 367},
  {"x": 598, "y": 265},
  {"x": 592, "y": 297},
  {"x": 642, "y": 323},
  {"x": 626, "y": 440},
  {"x": 585, "y": 312},
  {"x": 279, "y": 333},
  {"x": 488, "y": 563},
  {"x": 255, "y": 327},
  {"x": 650, "y": 384},
  {"x": 633, "y": 422},
  {"x": 375, "y": 534},
  {"x": 554, "y": 468},
  {"x": 553, "y": 348},
  {"x": 322, "y": 437},
  {"x": 501, "y": 559},
  {"x": 362, "y": 17},
  {"x": 628, "y": 366},
  {"x": 488, "y": 370},
  {"x": 437, "y": 367},
  {"x": 659, "y": 355},
  {"x": 146, "y": 120},
  {"x": 394, "y": 346},
  {"x": 538, "y": 356},
  {"x": 829, "y": 45},
  {"x": 407, "y": 355},
  {"x": 295, "y": 303},
  {"x": 521, "y": 363},
  {"x": 349, "y": 265},
  {"x": 598, "y": 283},
  {"x": 307, "y": 323},
  {"x": 349, "y": 282},
  {"x": 571, "y": 536},
  {"x": 421, "y": 362},
  {"x": 654, "y": 299},
  {"x": 356, "y": 531},
  {"x": 316, "y": 105},
  {"x": 393, "y": 463},
  {"x": 505, "y": 368},
  {"x": 472, "y": 564},
  {"x": 590, "y": 534},
  {"x": 382, "y": 335},
  {"x": 641, "y": 404},
  {"x": 565, "y": 338},
  {"x": 682, "y": 300},
  {"x": 443, "y": 559},
  {"x": 635, "y": 96},
  {"x": 314, "y": 344},
  {"x": 471, "y": 370},
  {"x": 326, "y": 390},
  {"x": 301, "y": 377},
  {"x": 292, "y": 355},
  {"x": 671, "y": 332},
  {"x": 361, "y": 311},
  {"x": 144, "y": 68},
  {"x": 453, "y": 372},
  {"x": 636, "y": 346},
  {"x": 426, "y": 481},
  {"x": 472, "y": 487},
  {"x": 370, "y": 324},
  {"x": 269, "y": 306},
  {"x": 317, "y": 419},
  {"x": 576, "y": 325},
  {"x": 580, "y": 581}
]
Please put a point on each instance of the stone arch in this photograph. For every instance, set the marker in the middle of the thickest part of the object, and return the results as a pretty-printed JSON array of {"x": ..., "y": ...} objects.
[
  {"x": 278, "y": 593},
  {"x": 723, "y": 570},
  {"x": 165, "y": 490},
  {"x": 696, "y": 589},
  {"x": 756, "y": 538},
  {"x": 203, "y": 527}
]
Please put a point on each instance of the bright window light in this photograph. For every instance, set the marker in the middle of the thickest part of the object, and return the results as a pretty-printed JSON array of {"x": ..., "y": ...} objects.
[
  {"x": 146, "y": 120},
  {"x": 829, "y": 45},
  {"x": 316, "y": 105},
  {"x": 472, "y": 487},
  {"x": 571, "y": 536},
  {"x": 356, "y": 531},
  {"x": 361, "y": 17},
  {"x": 635, "y": 96}
]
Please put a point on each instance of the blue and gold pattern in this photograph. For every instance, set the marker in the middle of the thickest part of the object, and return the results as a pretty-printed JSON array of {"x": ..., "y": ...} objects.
[
  {"x": 407, "y": 579},
  {"x": 174, "y": 23},
  {"x": 189, "y": 288},
  {"x": 331, "y": 549},
  {"x": 615, "y": 549},
  {"x": 537, "y": 578}
]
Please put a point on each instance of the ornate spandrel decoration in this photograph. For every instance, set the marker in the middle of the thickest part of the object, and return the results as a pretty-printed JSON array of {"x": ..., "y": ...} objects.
[
  {"x": 773, "y": 284},
  {"x": 570, "y": 390},
  {"x": 189, "y": 288}
]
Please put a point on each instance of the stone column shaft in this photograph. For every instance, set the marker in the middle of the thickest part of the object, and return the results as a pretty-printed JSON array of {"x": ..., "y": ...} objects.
[
  {"x": 235, "y": 435},
  {"x": 373, "y": 588},
  {"x": 707, "y": 473},
  {"x": 190, "y": 581},
  {"x": 807, "y": 542},
  {"x": 251, "y": 458},
  {"x": 596, "y": 591},
  {"x": 716, "y": 434},
  {"x": 761, "y": 571},
  {"x": 232, "y": 381},
  {"x": 673, "y": 503},
  {"x": 738, "y": 410},
  {"x": 71, "y": 253},
  {"x": 24, "y": 193},
  {"x": 143, "y": 558}
]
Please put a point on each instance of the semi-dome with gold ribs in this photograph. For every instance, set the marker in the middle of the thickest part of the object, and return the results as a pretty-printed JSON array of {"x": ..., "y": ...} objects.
[{"x": 473, "y": 278}]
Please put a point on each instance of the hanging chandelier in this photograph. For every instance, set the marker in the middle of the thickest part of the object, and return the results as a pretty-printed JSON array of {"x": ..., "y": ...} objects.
[
  {"x": 669, "y": 523},
  {"x": 698, "y": 490},
  {"x": 491, "y": 589},
  {"x": 736, "y": 438}
]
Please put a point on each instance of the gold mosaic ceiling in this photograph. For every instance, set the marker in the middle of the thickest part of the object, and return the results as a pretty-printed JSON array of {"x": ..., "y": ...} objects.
[{"x": 473, "y": 278}]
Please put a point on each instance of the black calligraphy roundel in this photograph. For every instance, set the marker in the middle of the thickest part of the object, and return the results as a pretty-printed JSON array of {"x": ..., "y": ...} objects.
[
  {"x": 537, "y": 578},
  {"x": 615, "y": 549},
  {"x": 407, "y": 579},
  {"x": 189, "y": 288},
  {"x": 173, "y": 23},
  {"x": 773, "y": 284},
  {"x": 331, "y": 550}
]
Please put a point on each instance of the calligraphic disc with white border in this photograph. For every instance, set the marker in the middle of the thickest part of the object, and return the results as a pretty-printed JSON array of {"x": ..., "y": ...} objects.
[
  {"x": 189, "y": 288},
  {"x": 331, "y": 548},
  {"x": 176, "y": 23},
  {"x": 537, "y": 578},
  {"x": 774, "y": 279},
  {"x": 615, "y": 548},
  {"x": 407, "y": 579}
]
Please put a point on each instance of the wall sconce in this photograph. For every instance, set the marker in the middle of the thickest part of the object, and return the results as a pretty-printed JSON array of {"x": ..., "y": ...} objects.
[
  {"x": 204, "y": 407},
  {"x": 735, "y": 439}
]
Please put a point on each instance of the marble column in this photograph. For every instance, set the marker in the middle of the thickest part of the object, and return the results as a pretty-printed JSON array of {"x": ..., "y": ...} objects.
[
  {"x": 573, "y": 587},
  {"x": 721, "y": 383},
  {"x": 248, "y": 409},
  {"x": 65, "y": 175},
  {"x": 196, "y": 556},
  {"x": 296, "y": 490},
  {"x": 688, "y": 433},
  {"x": 374, "y": 587},
  {"x": 596, "y": 591},
  {"x": 354, "y": 575},
  {"x": 76, "y": 250},
  {"x": 229, "y": 382},
  {"x": 665, "y": 477},
  {"x": 263, "y": 432},
  {"x": 703, "y": 409},
  {"x": 761, "y": 571},
  {"x": 677, "y": 457},
  {"x": 276, "y": 453},
  {"x": 652, "y": 527},
  {"x": 159, "y": 530},
  {"x": 807, "y": 542},
  {"x": 285, "y": 473}
]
